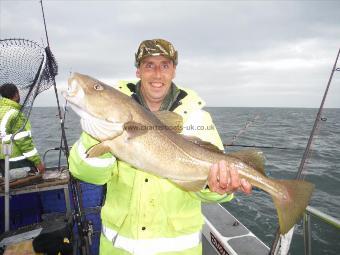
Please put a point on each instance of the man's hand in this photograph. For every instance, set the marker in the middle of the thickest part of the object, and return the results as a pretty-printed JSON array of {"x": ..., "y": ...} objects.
[
  {"x": 224, "y": 178},
  {"x": 41, "y": 167}
]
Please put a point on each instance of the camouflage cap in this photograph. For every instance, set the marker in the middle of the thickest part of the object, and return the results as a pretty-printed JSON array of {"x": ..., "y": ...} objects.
[{"x": 156, "y": 47}]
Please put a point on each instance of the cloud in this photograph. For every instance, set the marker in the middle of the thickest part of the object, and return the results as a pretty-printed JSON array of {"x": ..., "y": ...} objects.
[{"x": 234, "y": 53}]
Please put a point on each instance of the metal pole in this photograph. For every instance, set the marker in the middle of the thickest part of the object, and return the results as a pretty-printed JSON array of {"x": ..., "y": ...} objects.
[
  {"x": 330, "y": 220},
  {"x": 7, "y": 149},
  {"x": 307, "y": 234}
]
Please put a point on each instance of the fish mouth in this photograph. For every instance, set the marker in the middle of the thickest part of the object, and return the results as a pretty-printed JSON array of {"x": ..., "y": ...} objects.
[
  {"x": 74, "y": 93},
  {"x": 75, "y": 96},
  {"x": 99, "y": 128},
  {"x": 73, "y": 88},
  {"x": 81, "y": 112},
  {"x": 86, "y": 115},
  {"x": 92, "y": 122}
]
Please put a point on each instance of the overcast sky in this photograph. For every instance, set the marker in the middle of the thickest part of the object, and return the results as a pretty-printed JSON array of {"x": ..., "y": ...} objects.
[{"x": 233, "y": 53}]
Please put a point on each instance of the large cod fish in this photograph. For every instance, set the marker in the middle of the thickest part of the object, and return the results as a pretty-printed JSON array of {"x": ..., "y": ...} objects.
[{"x": 134, "y": 135}]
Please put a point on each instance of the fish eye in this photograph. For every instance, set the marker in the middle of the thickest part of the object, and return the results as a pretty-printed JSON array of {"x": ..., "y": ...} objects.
[{"x": 98, "y": 87}]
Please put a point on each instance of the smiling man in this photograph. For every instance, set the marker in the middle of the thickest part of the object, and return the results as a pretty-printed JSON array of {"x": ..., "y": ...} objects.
[
  {"x": 156, "y": 73},
  {"x": 144, "y": 214}
]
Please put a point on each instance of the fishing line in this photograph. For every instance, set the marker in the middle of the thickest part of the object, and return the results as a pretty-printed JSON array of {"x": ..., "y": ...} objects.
[
  {"x": 261, "y": 147},
  {"x": 242, "y": 130},
  {"x": 55, "y": 87}
]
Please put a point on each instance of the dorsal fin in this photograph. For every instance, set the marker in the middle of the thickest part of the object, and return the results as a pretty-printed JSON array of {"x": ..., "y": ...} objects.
[
  {"x": 203, "y": 144},
  {"x": 170, "y": 119},
  {"x": 252, "y": 157}
]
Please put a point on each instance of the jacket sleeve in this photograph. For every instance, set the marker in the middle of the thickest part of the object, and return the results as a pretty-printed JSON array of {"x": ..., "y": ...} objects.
[
  {"x": 93, "y": 170},
  {"x": 25, "y": 144},
  {"x": 200, "y": 124}
]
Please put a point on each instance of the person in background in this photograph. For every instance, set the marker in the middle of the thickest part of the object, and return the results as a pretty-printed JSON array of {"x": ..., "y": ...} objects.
[
  {"x": 144, "y": 214},
  {"x": 24, "y": 152}
]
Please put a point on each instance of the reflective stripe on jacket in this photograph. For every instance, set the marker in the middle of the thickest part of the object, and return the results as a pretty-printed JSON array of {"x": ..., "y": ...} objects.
[
  {"x": 23, "y": 146},
  {"x": 153, "y": 245},
  {"x": 141, "y": 209}
]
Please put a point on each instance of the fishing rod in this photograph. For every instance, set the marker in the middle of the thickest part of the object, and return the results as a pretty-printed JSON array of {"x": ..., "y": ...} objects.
[
  {"x": 83, "y": 226},
  {"x": 260, "y": 146},
  {"x": 275, "y": 244},
  {"x": 61, "y": 149}
]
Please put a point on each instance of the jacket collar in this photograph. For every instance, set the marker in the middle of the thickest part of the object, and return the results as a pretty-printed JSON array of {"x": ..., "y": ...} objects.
[
  {"x": 168, "y": 101},
  {"x": 188, "y": 102},
  {"x": 9, "y": 102}
]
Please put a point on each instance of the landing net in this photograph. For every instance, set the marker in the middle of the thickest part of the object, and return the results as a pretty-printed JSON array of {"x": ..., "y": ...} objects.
[{"x": 29, "y": 66}]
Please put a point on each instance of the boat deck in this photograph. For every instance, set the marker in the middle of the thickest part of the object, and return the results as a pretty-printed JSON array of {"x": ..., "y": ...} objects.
[{"x": 224, "y": 234}]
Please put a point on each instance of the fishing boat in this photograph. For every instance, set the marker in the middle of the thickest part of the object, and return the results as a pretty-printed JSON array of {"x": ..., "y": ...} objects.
[
  {"x": 222, "y": 232},
  {"x": 68, "y": 203}
]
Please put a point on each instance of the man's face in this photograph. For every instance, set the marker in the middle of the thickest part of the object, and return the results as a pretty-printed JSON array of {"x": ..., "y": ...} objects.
[{"x": 156, "y": 74}]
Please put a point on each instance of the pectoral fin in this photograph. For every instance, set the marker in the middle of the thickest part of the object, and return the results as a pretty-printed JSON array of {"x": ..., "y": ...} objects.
[
  {"x": 98, "y": 150},
  {"x": 191, "y": 185}
]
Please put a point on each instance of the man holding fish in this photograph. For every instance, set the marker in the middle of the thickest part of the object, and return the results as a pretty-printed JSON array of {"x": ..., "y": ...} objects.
[
  {"x": 157, "y": 179},
  {"x": 147, "y": 208}
]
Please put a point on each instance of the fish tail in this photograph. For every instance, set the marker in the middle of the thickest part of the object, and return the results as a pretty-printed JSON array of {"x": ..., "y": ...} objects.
[{"x": 292, "y": 203}]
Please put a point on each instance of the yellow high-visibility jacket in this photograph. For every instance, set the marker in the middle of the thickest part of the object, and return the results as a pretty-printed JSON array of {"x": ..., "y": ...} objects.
[
  {"x": 23, "y": 145},
  {"x": 144, "y": 214}
]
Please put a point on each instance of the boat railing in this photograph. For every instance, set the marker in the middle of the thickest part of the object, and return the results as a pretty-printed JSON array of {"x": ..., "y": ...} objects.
[{"x": 312, "y": 211}]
